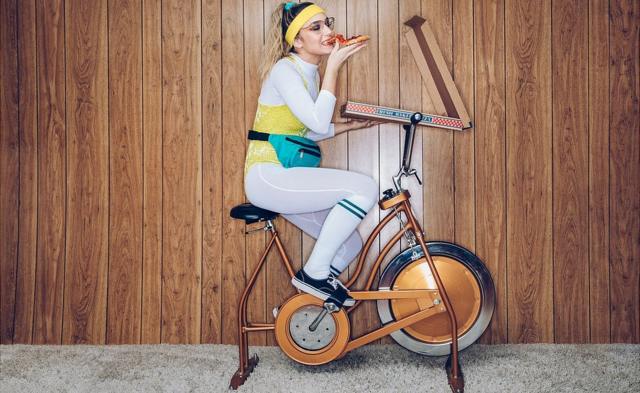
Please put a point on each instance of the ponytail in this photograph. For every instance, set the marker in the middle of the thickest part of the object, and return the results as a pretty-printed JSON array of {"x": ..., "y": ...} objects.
[{"x": 276, "y": 47}]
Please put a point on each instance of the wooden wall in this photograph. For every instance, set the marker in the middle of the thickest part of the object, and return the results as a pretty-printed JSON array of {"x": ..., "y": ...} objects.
[{"x": 122, "y": 144}]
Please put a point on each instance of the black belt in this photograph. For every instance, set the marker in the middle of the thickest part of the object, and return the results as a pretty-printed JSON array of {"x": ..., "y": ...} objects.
[{"x": 258, "y": 136}]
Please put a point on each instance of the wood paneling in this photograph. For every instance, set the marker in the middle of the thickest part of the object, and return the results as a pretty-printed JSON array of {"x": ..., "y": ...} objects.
[
  {"x": 182, "y": 172},
  {"x": 600, "y": 328},
  {"x": 437, "y": 145},
  {"x": 233, "y": 149},
  {"x": 463, "y": 142},
  {"x": 123, "y": 139},
  {"x": 490, "y": 147},
  {"x": 52, "y": 173},
  {"x": 87, "y": 171},
  {"x": 28, "y": 212},
  {"x": 212, "y": 177},
  {"x": 388, "y": 95},
  {"x": 411, "y": 93},
  {"x": 570, "y": 171},
  {"x": 529, "y": 204},
  {"x": 624, "y": 169},
  {"x": 9, "y": 167},
  {"x": 254, "y": 22},
  {"x": 362, "y": 86},
  {"x": 125, "y": 173},
  {"x": 152, "y": 172}
]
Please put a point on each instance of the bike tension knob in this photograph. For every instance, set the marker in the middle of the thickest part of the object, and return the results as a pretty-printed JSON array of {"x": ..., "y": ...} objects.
[{"x": 416, "y": 118}]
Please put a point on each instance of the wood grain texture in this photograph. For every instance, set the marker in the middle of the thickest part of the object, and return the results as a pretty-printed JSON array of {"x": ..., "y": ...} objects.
[
  {"x": 364, "y": 144},
  {"x": 437, "y": 144},
  {"x": 624, "y": 170},
  {"x": 151, "y": 172},
  {"x": 463, "y": 142},
  {"x": 87, "y": 230},
  {"x": 52, "y": 173},
  {"x": 254, "y": 20},
  {"x": 599, "y": 315},
  {"x": 570, "y": 172},
  {"x": 123, "y": 135},
  {"x": 212, "y": 178},
  {"x": 9, "y": 167},
  {"x": 182, "y": 172},
  {"x": 390, "y": 41},
  {"x": 529, "y": 170},
  {"x": 233, "y": 150},
  {"x": 490, "y": 149},
  {"x": 449, "y": 103},
  {"x": 28, "y": 211},
  {"x": 126, "y": 169},
  {"x": 411, "y": 88}
]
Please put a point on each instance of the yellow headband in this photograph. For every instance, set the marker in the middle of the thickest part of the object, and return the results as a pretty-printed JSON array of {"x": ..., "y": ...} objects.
[{"x": 300, "y": 20}]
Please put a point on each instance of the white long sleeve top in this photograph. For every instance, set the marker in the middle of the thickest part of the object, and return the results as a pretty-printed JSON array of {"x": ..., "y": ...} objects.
[{"x": 297, "y": 87}]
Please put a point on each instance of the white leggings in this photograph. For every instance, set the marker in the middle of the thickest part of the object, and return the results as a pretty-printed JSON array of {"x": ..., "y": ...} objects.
[{"x": 327, "y": 204}]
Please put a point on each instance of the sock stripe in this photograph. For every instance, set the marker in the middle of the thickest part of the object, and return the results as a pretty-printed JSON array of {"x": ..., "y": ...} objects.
[
  {"x": 334, "y": 270},
  {"x": 351, "y": 210},
  {"x": 364, "y": 213}
]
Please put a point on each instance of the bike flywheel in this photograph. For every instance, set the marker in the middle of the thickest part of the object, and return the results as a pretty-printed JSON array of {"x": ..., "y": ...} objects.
[
  {"x": 322, "y": 345},
  {"x": 468, "y": 284}
]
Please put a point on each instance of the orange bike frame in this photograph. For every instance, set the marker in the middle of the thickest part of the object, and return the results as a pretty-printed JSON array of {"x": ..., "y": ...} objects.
[{"x": 399, "y": 204}]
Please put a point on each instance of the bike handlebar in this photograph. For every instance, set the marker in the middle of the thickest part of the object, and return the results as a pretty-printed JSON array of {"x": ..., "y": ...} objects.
[
  {"x": 409, "y": 138},
  {"x": 405, "y": 169}
]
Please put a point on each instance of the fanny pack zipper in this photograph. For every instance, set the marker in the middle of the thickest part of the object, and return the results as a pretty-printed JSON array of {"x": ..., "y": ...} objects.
[
  {"x": 313, "y": 153},
  {"x": 302, "y": 144}
]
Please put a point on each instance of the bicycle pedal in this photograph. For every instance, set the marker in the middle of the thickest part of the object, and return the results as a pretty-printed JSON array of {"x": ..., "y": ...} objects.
[{"x": 331, "y": 306}]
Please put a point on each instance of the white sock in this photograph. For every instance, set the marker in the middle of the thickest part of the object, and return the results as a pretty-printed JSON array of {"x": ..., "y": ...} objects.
[
  {"x": 338, "y": 226},
  {"x": 346, "y": 254}
]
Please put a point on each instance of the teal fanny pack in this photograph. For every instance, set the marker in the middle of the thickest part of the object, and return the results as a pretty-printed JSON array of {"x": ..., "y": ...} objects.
[{"x": 292, "y": 150}]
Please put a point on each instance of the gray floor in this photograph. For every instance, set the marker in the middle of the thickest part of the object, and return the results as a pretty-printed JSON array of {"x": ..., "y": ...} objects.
[{"x": 390, "y": 368}]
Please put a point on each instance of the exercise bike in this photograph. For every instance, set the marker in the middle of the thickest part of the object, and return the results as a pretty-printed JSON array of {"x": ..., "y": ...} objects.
[{"x": 426, "y": 295}]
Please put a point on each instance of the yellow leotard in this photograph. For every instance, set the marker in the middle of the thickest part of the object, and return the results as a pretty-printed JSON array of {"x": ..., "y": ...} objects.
[{"x": 276, "y": 119}]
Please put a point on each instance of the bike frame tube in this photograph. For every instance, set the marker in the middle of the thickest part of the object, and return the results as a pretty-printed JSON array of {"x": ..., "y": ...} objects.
[
  {"x": 411, "y": 225},
  {"x": 243, "y": 326},
  {"x": 443, "y": 292}
]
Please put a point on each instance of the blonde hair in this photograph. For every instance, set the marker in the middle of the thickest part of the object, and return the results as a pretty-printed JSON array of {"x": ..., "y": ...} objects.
[{"x": 276, "y": 47}]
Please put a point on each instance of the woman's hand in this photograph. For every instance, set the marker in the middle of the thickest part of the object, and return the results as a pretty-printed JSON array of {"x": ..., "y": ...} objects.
[
  {"x": 339, "y": 55},
  {"x": 353, "y": 124},
  {"x": 336, "y": 59}
]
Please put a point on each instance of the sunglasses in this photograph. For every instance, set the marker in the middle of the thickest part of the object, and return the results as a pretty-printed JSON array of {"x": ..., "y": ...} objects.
[{"x": 317, "y": 25}]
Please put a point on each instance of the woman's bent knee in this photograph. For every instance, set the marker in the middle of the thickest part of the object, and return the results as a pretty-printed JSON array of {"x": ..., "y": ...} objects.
[{"x": 367, "y": 192}]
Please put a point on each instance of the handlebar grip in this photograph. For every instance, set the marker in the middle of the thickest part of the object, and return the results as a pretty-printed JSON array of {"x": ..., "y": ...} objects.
[{"x": 409, "y": 137}]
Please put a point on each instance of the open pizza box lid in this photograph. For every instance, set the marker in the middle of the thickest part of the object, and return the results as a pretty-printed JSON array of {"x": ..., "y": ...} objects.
[{"x": 451, "y": 112}]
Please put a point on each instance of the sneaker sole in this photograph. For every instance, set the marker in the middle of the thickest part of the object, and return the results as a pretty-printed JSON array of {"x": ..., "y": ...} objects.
[{"x": 304, "y": 287}]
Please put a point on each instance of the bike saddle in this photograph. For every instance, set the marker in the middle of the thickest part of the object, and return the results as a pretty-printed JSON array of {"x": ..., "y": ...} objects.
[{"x": 251, "y": 214}]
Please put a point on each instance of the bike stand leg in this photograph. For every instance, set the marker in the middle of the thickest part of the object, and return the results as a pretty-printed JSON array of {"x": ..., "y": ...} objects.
[
  {"x": 247, "y": 364},
  {"x": 456, "y": 382},
  {"x": 243, "y": 372}
]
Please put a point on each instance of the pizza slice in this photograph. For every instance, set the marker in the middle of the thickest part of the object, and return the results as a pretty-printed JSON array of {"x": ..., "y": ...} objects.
[{"x": 347, "y": 41}]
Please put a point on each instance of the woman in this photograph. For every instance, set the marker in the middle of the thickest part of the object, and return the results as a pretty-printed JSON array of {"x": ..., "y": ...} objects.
[{"x": 327, "y": 204}]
